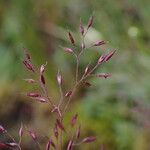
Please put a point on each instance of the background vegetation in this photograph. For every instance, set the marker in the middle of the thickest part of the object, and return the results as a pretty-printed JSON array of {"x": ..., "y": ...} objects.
[{"x": 117, "y": 110}]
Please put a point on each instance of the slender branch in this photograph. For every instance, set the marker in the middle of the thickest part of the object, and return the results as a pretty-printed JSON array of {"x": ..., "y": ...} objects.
[
  {"x": 77, "y": 84},
  {"x": 77, "y": 67}
]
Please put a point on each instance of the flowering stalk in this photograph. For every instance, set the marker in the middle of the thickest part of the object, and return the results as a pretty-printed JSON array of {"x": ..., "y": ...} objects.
[{"x": 59, "y": 107}]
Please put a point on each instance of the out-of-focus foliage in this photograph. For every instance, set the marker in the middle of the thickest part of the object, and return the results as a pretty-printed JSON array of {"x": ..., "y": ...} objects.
[{"x": 116, "y": 109}]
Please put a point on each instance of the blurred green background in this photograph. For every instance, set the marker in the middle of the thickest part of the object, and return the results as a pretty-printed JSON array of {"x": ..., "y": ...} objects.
[{"x": 116, "y": 110}]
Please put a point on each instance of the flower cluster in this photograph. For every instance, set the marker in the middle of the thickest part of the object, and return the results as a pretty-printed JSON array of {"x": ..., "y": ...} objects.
[{"x": 59, "y": 108}]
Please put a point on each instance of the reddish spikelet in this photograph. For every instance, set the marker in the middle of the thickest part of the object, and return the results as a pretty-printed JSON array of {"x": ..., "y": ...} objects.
[
  {"x": 42, "y": 68},
  {"x": 89, "y": 139},
  {"x": 21, "y": 131},
  {"x": 28, "y": 65},
  {"x": 56, "y": 131},
  {"x": 32, "y": 134},
  {"x": 87, "y": 84},
  {"x": 68, "y": 94},
  {"x": 78, "y": 132},
  {"x": 70, "y": 145},
  {"x": 30, "y": 80},
  {"x": 59, "y": 78},
  {"x": 101, "y": 59},
  {"x": 68, "y": 50},
  {"x": 90, "y": 22},
  {"x": 49, "y": 144},
  {"x": 41, "y": 99},
  {"x": 33, "y": 94},
  {"x": 71, "y": 38},
  {"x": 74, "y": 119},
  {"x": 81, "y": 28},
  {"x": 103, "y": 75},
  {"x": 99, "y": 43},
  {"x": 2, "y": 129},
  {"x": 109, "y": 55},
  {"x": 42, "y": 79},
  {"x": 60, "y": 125}
]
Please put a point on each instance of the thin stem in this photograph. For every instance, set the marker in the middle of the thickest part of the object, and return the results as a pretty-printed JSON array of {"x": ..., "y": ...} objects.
[
  {"x": 78, "y": 83},
  {"x": 61, "y": 96},
  {"x": 77, "y": 68},
  {"x": 61, "y": 144}
]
